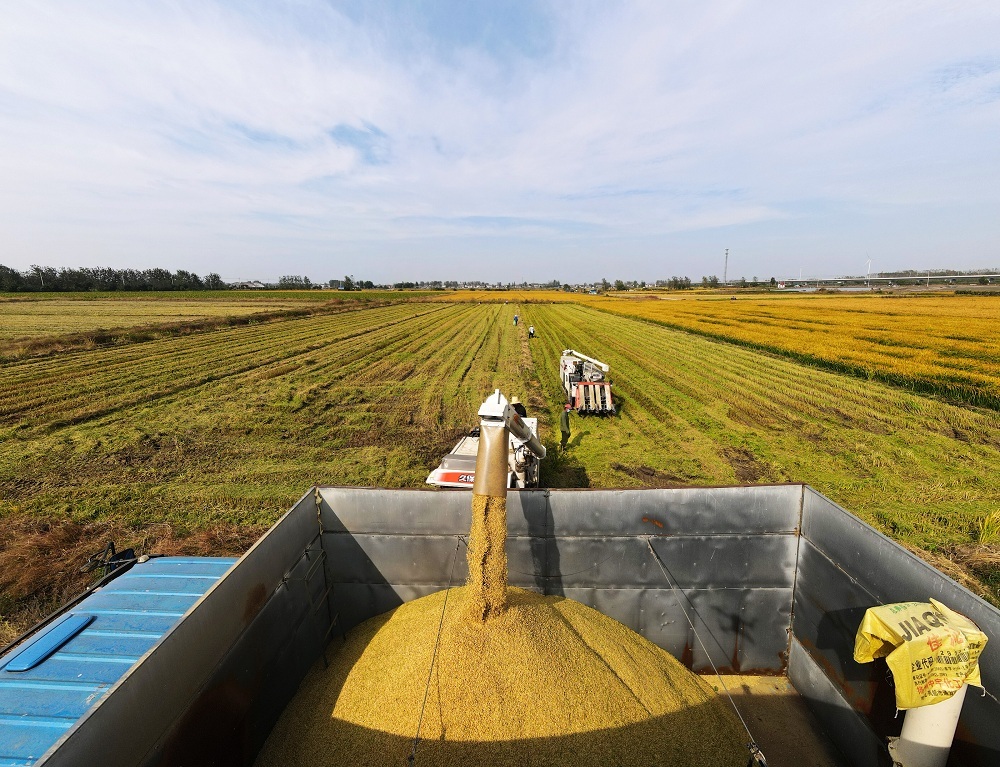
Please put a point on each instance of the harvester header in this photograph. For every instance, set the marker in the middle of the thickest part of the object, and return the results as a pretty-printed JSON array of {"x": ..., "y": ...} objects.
[{"x": 583, "y": 379}]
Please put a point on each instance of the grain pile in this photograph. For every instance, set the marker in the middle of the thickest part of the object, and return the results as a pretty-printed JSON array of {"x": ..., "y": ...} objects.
[{"x": 518, "y": 679}]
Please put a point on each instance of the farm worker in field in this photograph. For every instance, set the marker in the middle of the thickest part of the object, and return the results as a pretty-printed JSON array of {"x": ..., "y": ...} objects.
[
  {"x": 531, "y": 331},
  {"x": 516, "y": 318},
  {"x": 564, "y": 426}
]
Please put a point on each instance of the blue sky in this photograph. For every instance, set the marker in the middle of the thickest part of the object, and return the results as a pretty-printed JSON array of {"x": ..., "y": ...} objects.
[{"x": 500, "y": 140}]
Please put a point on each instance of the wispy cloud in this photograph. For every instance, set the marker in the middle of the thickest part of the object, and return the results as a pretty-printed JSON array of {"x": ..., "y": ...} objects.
[{"x": 400, "y": 138}]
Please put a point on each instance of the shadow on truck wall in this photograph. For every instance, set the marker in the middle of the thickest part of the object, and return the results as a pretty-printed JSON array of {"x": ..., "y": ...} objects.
[
  {"x": 544, "y": 548},
  {"x": 868, "y": 687},
  {"x": 286, "y": 632}
]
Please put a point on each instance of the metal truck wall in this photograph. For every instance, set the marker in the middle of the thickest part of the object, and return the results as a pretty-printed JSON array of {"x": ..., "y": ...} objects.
[
  {"x": 214, "y": 686},
  {"x": 211, "y": 690},
  {"x": 728, "y": 551},
  {"x": 735, "y": 553},
  {"x": 844, "y": 568}
]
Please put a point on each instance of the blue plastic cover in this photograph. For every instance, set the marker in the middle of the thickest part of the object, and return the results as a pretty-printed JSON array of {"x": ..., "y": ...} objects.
[{"x": 69, "y": 666}]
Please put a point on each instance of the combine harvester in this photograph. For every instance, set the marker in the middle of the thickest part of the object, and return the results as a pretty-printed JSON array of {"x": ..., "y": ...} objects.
[
  {"x": 190, "y": 661},
  {"x": 583, "y": 378},
  {"x": 458, "y": 468}
]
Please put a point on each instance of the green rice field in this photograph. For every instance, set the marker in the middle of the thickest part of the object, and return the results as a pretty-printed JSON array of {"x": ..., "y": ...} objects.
[{"x": 197, "y": 442}]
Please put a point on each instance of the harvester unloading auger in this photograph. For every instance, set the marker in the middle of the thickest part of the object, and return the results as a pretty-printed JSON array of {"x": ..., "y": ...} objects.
[
  {"x": 460, "y": 467},
  {"x": 487, "y": 555},
  {"x": 583, "y": 378}
]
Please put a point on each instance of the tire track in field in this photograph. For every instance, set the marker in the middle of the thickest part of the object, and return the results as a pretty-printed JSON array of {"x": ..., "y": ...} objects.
[{"x": 433, "y": 346}]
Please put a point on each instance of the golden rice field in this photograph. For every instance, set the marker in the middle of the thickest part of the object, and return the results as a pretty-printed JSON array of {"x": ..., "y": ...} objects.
[{"x": 942, "y": 344}]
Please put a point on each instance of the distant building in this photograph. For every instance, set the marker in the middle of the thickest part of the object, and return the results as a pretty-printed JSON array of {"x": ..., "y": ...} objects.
[{"x": 251, "y": 285}]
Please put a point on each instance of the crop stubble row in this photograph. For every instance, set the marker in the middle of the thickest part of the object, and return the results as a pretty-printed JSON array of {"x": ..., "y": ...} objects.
[
  {"x": 741, "y": 375},
  {"x": 284, "y": 401},
  {"x": 85, "y": 384},
  {"x": 942, "y": 344}
]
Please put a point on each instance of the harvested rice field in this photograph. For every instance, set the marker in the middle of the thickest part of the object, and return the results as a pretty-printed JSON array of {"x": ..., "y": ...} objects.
[
  {"x": 32, "y": 317},
  {"x": 46, "y": 323}
]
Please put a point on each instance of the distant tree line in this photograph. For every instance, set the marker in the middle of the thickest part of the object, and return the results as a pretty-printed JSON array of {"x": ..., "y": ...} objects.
[
  {"x": 682, "y": 283},
  {"x": 297, "y": 282},
  {"x": 48, "y": 279}
]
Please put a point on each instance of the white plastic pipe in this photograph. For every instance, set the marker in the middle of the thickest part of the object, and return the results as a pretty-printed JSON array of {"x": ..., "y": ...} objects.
[{"x": 927, "y": 733}]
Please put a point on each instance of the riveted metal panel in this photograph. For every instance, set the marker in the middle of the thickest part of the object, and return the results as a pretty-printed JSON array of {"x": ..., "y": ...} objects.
[
  {"x": 737, "y": 630},
  {"x": 418, "y": 559},
  {"x": 418, "y": 512},
  {"x": 743, "y": 630},
  {"x": 741, "y": 510},
  {"x": 722, "y": 561},
  {"x": 741, "y": 581},
  {"x": 697, "y": 511},
  {"x": 976, "y": 741},
  {"x": 357, "y": 602},
  {"x": 367, "y": 557},
  {"x": 828, "y": 609}
]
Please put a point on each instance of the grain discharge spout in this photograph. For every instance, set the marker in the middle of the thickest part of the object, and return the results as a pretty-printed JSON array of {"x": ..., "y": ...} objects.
[{"x": 487, "y": 556}]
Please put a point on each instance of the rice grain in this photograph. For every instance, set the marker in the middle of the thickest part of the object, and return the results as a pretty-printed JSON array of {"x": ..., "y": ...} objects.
[{"x": 518, "y": 679}]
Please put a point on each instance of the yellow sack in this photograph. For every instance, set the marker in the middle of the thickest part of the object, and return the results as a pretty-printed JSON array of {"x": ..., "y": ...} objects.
[{"x": 932, "y": 650}]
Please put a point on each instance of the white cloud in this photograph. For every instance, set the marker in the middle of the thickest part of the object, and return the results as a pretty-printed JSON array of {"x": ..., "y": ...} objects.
[{"x": 240, "y": 136}]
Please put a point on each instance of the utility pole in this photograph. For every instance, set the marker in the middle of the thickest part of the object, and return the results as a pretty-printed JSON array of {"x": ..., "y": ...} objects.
[{"x": 725, "y": 270}]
